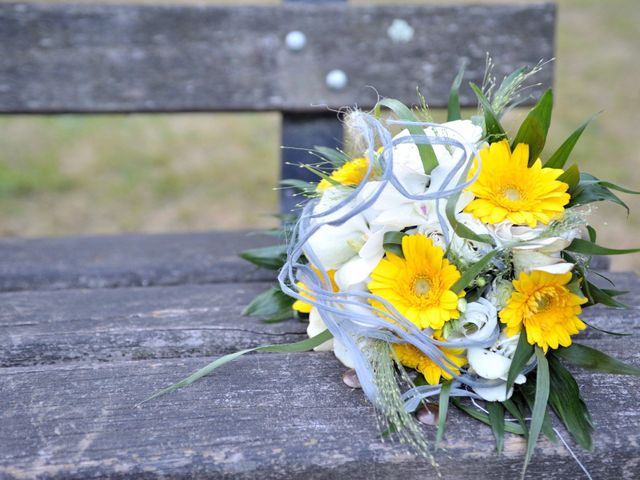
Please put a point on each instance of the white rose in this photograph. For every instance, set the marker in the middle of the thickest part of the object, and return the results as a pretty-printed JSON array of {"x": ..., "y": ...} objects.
[{"x": 479, "y": 321}]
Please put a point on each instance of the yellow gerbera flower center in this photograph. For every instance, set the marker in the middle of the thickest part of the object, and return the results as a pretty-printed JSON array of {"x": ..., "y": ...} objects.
[
  {"x": 418, "y": 285},
  {"x": 412, "y": 357},
  {"x": 547, "y": 310},
  {"x": 507, "y": 188},
  {"x": 421, "y": 286}
]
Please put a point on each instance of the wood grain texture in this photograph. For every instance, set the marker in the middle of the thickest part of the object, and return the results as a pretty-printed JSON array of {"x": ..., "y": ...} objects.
[
  {"x": 129, "y": 260},
  {"x": 133, "y": 323},
  {"x": 91, "y": 58},
  {"x": 268, "y": 416},
  {"x": 190, "y": 320}
]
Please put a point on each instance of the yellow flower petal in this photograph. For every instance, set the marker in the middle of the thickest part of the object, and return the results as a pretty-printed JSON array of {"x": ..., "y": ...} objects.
[{"x": 507, "y": 188}]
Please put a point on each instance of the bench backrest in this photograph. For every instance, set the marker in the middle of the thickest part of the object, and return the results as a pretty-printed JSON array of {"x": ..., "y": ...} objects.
[{"x": 302, "y": 58}]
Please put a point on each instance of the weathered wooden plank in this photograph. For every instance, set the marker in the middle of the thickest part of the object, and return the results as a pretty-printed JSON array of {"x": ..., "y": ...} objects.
[
  {"x": 267, "y": 416},
  {"x": 91, "y": 58},
  {"x": 133, "y": 323},
  {"x": 128, "y": 260},
  {"x": 168, "y": 322}
]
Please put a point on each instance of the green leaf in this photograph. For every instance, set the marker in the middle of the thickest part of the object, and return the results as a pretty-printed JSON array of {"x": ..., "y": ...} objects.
[
  {"x": 561, "y": 155},
  {"x": 496, "y": 417},
  {"x": 273, "y": 257},
  {"x": 473, "y": 271},
  {"x": 306, "y": 188},
  {"x": 453, "y": 106},
  {"x": 392, "y": 242},
  {"x": 592, "y": 233},
  {"x": 272, "y": 304},
  {"x": 302, "y": 346},
  {"x": 523, "y": 353},
  {"x": 535, "y": 126},
  {"x": 493, "y": 129},
  {"x": 336, "y": 157},
  {"x": 578, "y": 245},
  {"x": 590, "y": 190},
  {"x": 539, "y": 406},
  {"x": 484, "y": 418},
  {"x": 427, "y": 155},
  {"x": 596, "y": 295},
  {"x": 514, "y": 410},
  {"x": 565, "y": 399},
  {"x": 461, "y": 230},
  {"x": 571, "y": 177},
  {"x": 443, "y": 407},
  {"x": 592, "y": 359}
]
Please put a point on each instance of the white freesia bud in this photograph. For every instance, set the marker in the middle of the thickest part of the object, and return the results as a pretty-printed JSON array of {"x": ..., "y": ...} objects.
[
  {"x": 316, "y": 327},
  {"x": 493, "y": 364}
]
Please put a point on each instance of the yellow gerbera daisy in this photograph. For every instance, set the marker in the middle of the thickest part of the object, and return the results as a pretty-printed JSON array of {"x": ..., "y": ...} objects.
[
  {"x": 418, "y": 285},
  {"x": 545, "y": 307},
  {"x": 350, "y": 174},
  {"x": 412, "y": 357},
  {"x": 304, "y": 307},
  {"x": 507, "y": 188}
]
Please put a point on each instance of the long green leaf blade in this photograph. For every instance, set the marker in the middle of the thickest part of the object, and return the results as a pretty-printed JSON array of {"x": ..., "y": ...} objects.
[
  {"x": 539, "y": 405},
  {"x": 427, "y": 155},
  {"x": 514, "y": 410},
  {"x": 301, "y": 346},
  {"x": 578, "y": 245},
  {"x": 561, "y": 155},
  {"x": 443, "y": 408},
  {"x": 592, "y": 359},
  {"x": 472, "y": 272},
  {"x": 535, "y": 126},
  {"x": 462, "y": 230},
  {"x": 523, "y": 353},
  {"x": 484, "y": 418},
  {"x": 566, "y": 401},
  {"x": 496, "y": 417},
  {"x": 453, "y": 106},
  {"x": 493, "y": 129}
]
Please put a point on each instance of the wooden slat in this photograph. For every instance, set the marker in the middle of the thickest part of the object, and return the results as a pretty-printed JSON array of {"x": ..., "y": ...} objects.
[
  {"x": 90, "y": 58},
  {"x": 134, "y": 323},
  {"x": 189, "y": 320},
  {"x": 268, "y": 416},
  {"x": 129, "y": 260}
]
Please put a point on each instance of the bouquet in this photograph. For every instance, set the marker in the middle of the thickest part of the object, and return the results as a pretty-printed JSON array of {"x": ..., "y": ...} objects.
[{"x": 450, "y": 261}]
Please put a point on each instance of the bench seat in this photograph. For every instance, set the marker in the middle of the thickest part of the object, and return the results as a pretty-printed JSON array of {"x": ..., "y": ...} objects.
[{"x": 75, "y": 361}]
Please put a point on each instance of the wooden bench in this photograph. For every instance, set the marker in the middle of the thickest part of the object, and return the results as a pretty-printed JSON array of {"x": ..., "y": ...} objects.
[{"x": 89, "y": 326}]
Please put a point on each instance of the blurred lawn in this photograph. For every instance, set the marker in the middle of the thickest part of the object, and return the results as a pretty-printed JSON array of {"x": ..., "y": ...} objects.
[{"x": 103, "y": 174}]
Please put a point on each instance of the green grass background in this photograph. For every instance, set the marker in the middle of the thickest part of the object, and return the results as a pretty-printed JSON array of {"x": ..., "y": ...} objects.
[{"x": 105, "y": 174}]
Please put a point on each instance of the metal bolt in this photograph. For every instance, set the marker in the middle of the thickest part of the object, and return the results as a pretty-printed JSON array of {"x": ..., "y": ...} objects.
[
  {"x": 336, "y": 79},
  {"x": 295, "y": 40},
  {"x": 400, "y": 31}
]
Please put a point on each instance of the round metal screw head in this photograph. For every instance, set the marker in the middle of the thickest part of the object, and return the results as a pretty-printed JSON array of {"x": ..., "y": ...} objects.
[
  {"x": 295, "y": 40},
  {"x": 336, "y": 79},
  {"x": 400, "y": 31}
]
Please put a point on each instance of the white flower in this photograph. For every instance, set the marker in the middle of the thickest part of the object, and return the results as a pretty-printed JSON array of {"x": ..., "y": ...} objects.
[
  {"x": 493, "y": 364},
  {"x": 479, "y": 321},
  {"x": 316, "y": 326},
  {"x": 465, "y": 132}
]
